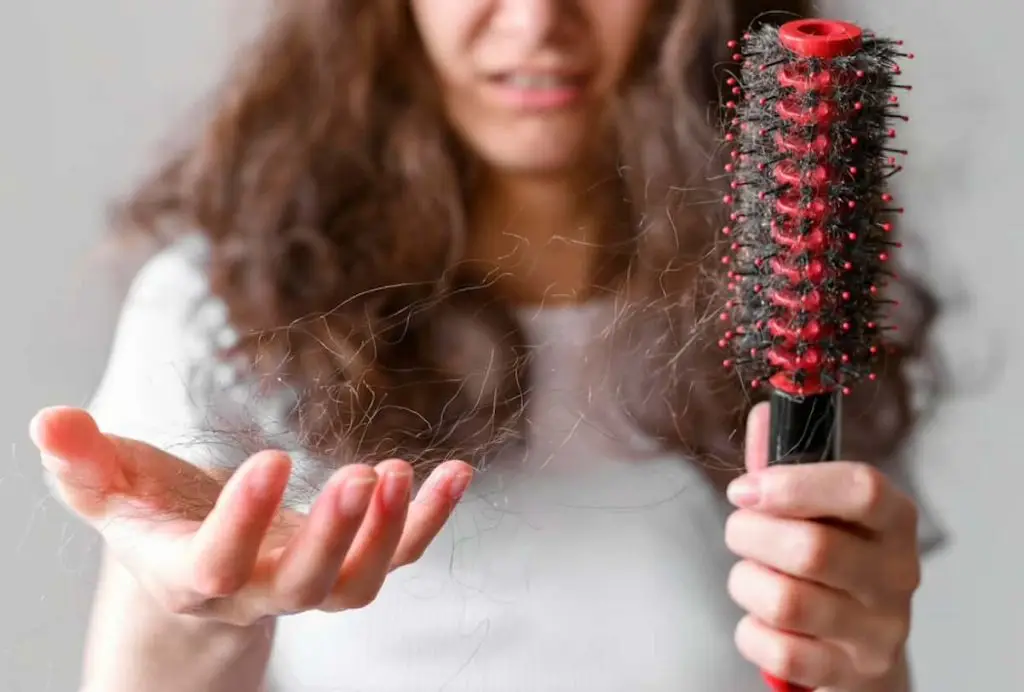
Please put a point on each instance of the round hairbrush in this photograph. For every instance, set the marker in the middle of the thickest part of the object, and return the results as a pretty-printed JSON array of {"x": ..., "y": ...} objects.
[{"x": 811, "y": 128}]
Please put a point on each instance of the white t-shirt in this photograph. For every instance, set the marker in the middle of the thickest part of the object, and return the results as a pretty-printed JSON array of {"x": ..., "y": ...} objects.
[{"x": 602, "y": 569}]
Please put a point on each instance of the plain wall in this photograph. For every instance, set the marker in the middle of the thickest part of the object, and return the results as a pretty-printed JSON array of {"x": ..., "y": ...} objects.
[{"x": 87, "y": 90}]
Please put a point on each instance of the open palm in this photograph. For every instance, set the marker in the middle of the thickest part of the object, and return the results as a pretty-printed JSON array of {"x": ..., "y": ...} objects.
[{"x": 228, "y": 550}]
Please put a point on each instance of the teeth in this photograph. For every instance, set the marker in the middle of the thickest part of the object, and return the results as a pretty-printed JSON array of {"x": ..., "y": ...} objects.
[{"x": 536, "y": 81}]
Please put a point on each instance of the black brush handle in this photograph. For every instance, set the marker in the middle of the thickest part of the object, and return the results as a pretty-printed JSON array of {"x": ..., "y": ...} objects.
[{"x": 804, "y": 429}]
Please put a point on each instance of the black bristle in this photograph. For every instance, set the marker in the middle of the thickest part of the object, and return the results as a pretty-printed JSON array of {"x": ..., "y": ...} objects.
[{"x": 773, "y": 283}]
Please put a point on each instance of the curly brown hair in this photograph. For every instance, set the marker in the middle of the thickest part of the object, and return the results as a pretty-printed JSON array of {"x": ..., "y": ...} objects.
[{"x": 332, "y": 194}]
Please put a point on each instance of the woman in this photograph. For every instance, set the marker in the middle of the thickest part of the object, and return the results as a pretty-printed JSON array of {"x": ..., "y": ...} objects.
[{"x": 416, "y": 233}]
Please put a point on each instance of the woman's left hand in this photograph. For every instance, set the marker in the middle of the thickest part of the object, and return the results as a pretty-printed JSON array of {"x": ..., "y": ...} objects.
[{"x": 829, "y": 565}]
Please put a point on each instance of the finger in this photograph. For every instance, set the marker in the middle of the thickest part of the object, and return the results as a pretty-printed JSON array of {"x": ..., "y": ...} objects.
[
  {"x": 82, "y": 461},
  {"x": 225, "y": 548},
  {"x": 812, "y": 663},
  {"x": 309, "y": 565},
  {"x": 428, "y": 513},
  {"x": 849, "y": 492},
  {"x": 808, "y": 550},
  {"x": 367, "y": 563},
  {"x": 803, "y": 607},
  {"x": 756, "y": 443}
]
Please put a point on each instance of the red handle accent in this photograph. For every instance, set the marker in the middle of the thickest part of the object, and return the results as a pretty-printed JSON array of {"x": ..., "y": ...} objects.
[
  {"x": 776, "y": 685},
  {"x": 821, "y": 38}
]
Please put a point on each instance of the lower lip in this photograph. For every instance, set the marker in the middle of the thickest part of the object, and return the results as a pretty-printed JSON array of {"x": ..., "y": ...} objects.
[{"x": 549, "y": 98}]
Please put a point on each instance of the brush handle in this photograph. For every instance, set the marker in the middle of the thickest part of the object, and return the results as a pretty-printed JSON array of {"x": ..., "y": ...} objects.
[{"x": 804, "y": 430}]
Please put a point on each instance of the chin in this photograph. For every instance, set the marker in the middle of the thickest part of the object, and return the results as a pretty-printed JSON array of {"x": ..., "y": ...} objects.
[{"x": 540, "y": 155}]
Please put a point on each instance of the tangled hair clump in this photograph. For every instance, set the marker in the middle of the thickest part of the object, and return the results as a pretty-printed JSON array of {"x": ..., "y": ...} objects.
[{"x": 332, "y": 195}]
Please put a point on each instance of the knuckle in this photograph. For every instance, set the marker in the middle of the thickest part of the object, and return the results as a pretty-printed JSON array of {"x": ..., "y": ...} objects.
[
  {"x": 895, "y": 632},
  {"x": 868, "y": 489},
  {"x": 409, "y": 556},
  {"x": 363, "y": 596},
  {"x": 811, "y": 550},
  {"x": 874, "y": 661},
  {"x": 785, "y": 660},
  {"x": 212, "y": 582},
  {"x": 903, "y": 573},
  {"x": 300, "y": 600},
  {"x": 788, "y": 608},
  {"x": 909, "y": 578}
]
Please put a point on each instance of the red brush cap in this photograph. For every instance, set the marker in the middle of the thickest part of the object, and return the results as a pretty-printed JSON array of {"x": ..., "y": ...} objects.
[{"x": 821, "y": 38}]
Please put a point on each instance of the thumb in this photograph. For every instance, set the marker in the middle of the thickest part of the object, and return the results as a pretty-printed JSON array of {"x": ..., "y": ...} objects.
[
  {"x": 81, "y": 461},
  {"x": 755, "y": 453}
]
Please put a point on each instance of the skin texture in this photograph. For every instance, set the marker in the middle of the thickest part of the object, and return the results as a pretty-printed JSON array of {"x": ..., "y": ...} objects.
[{"x": 198, "y": 559}]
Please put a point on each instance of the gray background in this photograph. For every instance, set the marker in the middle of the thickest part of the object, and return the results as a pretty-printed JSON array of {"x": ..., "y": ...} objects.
[{"x": 88, "y": 88}]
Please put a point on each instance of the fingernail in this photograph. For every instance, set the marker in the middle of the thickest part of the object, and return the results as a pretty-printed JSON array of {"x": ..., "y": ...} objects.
[
  {"x": 744, "y": 492},
  {"x": 458, "y": 484},
  {"x": 355, "y": 495},
  {"x": 262, "y": 481},
  {"x": 396, "y": 489}
]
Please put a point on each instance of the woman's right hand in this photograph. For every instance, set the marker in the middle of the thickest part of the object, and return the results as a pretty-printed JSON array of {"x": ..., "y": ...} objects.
[{"x": 228, "y": 551}]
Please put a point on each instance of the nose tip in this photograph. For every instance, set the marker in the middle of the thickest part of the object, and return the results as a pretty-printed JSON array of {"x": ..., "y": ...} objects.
[{"x": 534, "y": 18}]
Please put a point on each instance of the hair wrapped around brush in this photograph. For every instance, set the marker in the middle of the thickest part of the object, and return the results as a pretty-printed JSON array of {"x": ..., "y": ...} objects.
[{"x": 811, "y": 219}]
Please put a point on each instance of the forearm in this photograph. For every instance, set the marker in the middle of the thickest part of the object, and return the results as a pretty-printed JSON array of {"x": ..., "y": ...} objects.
[{"x": 133, "y": 644}]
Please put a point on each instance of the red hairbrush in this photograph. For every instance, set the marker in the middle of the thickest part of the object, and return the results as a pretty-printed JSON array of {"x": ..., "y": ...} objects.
[{"x": 812, "y": 124}]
